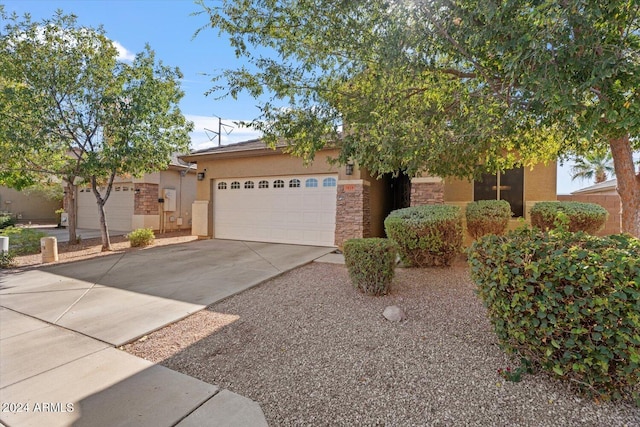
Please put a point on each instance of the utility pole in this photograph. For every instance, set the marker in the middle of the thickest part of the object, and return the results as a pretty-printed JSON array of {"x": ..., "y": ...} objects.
[{"x": 219, "y": 132}]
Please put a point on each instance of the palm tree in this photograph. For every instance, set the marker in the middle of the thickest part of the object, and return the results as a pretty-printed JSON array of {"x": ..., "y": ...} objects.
[{"x": 598, "y": 166}]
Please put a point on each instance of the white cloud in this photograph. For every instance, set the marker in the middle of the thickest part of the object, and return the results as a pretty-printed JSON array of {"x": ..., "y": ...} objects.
[
  {"x": 66, "y": 40},
  {"x": 123, "y": 53},
  {"x": 231, "y": 133}
]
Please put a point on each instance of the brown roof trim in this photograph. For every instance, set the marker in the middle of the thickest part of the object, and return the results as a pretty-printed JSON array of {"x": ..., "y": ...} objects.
[
  {"x": 251, "y": 148},
  {"x": 254, "y": 147}
]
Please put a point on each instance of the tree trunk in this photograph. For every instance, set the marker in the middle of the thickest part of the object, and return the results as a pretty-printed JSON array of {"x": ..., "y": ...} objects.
[
  {"x": 628, "y": 184},
  {"x": 70, "y": 208},
  {"x": 101, "y": 201},
  {"x": 104, "y": 230}
]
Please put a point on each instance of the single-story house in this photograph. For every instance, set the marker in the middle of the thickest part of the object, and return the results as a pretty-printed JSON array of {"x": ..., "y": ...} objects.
[
  {"x": 606, "y": 188},
  {"x": 28, "y": 206},
  {"x": 604, "y": 194},
  {"x": 247, "y": 191},
  {"x": 160, "y": 200}
]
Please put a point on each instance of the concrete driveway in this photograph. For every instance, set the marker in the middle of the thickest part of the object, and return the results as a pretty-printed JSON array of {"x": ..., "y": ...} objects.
[
  {"x": 119, "y": 298},
  {"x": 58, "y": 326}
]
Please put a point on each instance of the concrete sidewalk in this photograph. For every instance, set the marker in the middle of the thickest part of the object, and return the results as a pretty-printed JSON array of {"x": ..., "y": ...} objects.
[
  {"x": 59, "y": 324},
  {"x": 50, "y": 376}
]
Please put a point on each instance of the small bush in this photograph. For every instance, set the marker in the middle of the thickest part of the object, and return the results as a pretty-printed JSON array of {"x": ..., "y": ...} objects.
[
  {"x": 141, "y": 237},
  {"x": 587, "y": 217},
  {"x": 487, "y": 217},
  {"x": 567, "y": 302},
  {"x": 6, "y": 259},
  {"x": 23, "y": 241},
  {"x": 371, "y": 264},
  {"x": 7, "y": 221},
  {"x": 426, "y": 235}
]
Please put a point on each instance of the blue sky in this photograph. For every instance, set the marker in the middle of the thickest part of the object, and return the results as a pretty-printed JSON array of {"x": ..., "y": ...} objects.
[{"x": 168, "y": 27}]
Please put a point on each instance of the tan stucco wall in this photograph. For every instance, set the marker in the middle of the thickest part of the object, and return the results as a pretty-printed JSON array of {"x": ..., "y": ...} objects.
[
  {"x": 186, "y": 194},
  {"x": 145, "y": 221},
  {"x": 29, "y": 207},
  {"x": 540, "y": 183},
  {"x": 377, "y": 199},
  {"x": 458, "y": 190}
]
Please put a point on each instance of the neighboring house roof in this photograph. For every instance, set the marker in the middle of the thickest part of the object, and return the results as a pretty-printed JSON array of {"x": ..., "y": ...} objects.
[
  {"x": 252, "y": 147},
  {"x": 176, "y": 162},
  {"x": 609, "y": 185}
]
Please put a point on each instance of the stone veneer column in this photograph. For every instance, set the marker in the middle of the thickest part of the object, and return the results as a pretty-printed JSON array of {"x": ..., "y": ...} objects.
[
  {"x": 353, "y": 211},
  {"x": 145, "y": 201},
  {"x": 427, "y": 191}
]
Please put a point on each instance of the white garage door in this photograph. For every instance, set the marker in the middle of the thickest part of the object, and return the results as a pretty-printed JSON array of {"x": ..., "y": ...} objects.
[
  {"x": 286, "y": 209},
  {"x": 118, "y": 209}
]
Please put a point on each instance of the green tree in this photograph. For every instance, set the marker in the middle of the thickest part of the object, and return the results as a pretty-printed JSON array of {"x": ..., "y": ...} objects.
[
  {"x": 593, "y": 166},
  {"x": 72, "y": 110},
  {"x": 443, "y": 85}
]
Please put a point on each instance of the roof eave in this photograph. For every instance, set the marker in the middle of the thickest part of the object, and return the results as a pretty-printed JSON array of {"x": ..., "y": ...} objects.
[{"x": 250, "y": 152}]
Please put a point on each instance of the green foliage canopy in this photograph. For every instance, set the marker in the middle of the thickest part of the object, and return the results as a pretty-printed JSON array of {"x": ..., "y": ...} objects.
[
  {"x": 452, "y": 87},
  {"x": 376, "y": 70},
  {"x": 69, "y": 108}
]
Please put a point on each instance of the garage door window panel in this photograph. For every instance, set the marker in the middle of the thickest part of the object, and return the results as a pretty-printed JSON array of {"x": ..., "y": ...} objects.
[
  {"x": 329, "y": 182},
  {"x": 294, "y": 183},
  {"x": 222, "y": 186}
]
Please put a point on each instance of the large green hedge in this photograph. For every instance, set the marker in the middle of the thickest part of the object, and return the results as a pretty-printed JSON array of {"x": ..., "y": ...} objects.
[
  {"x": 371, "y": 264},
  {"x": 568, "y": 302},
  {"x": 487, "y": 217},
  {"x": 588, "y": 217},
  {"x": 426, "y": 235}
]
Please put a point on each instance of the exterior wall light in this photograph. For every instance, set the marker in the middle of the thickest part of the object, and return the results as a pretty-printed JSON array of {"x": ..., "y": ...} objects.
[
  {"x": 349, "y": 168},
  {"x": 200, "y": 176}
]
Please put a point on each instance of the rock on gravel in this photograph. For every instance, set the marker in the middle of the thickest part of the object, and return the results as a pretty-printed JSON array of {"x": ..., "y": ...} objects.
[
  {"x": 313, "y": 351},
  {"x": 393, "y": 313}
]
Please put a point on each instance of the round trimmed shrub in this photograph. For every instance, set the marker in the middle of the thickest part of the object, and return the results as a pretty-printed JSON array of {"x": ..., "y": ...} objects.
[
  {"x": 7, "y": 221},
  {"x": 587, "y": 217},
  {"x": 141, "y": 237},
  {"x": 426, "y": 235},
  {"x": 567, "y": 302},
  {"x": 487, "y": 217},
  {"x": 7, "y": 259},
  {"x": 371, "y": 263}
]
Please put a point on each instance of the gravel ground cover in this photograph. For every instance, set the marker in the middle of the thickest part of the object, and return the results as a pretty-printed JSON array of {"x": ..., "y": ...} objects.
[{"x": 314, "y": 351}]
